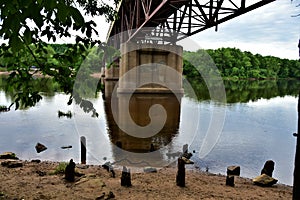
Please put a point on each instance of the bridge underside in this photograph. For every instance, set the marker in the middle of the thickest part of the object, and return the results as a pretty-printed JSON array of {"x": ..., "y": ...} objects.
[{"x": 168, "y": 21}]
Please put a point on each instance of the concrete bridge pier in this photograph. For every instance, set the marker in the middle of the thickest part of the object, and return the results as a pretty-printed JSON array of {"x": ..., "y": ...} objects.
[{"x": 150, "y": 68}]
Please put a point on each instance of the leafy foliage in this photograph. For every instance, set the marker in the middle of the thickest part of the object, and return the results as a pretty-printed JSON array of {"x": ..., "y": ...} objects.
[
  {"x": 235, "y": 64},
  {"x": 23, "y": 25},
  {"x": 60, "y": 169}
]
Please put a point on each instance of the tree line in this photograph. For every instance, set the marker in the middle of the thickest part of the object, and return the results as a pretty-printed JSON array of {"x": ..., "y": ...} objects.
[
  {"x": 234, "y": 64},
  {"x": 230, "y": 63}
]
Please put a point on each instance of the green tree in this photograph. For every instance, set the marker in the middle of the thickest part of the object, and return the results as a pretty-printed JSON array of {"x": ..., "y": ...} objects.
[
  {"x": 25, "y": 22},
  {"x": 233, "y": 63}
]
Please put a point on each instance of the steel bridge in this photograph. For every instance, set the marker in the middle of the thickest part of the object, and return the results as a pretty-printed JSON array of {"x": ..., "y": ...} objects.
[{"x": 173, "y": 20}]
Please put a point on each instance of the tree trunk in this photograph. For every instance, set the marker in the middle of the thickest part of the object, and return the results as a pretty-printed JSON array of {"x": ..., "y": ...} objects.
[{"x": 296, "y": 187}]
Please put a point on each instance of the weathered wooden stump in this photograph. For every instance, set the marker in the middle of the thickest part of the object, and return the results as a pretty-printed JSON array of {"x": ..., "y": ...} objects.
[
  {"x": 126, "y": 177},
  {"x": 108, "y": 166},
  {"x": 230, "y": 180},
  {"x": 180, "y": 177},
  {"x": 83, "y": 149},
  {"x": 268, "y": 168},
  {"x": 70, "y": 171},
  {"x": 182, "y": 161},
  {"x": 231, "y": 172}
]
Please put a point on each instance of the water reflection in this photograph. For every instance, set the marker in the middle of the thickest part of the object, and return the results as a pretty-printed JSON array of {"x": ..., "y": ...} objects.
[
  {"x": 130, "y": 150},
  {"x": 45, "y": 86},
  {"x": 238, "y": 91},
  {"x": 243, "y": 91}
]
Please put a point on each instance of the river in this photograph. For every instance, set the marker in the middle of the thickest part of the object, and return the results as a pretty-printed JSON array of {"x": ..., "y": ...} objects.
[{"x": 259, "y": 119}]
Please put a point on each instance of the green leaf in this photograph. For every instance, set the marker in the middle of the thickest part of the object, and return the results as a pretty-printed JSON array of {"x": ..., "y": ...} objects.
[
  {"x": 38, "y": 21},
  {"x": 16, "y": 44},
  {"x": 50, "y": 4},
  {"x": 62, "y": 12},
  {"x": 77, "y": 17},
  {"x": 27, "y": 36}
]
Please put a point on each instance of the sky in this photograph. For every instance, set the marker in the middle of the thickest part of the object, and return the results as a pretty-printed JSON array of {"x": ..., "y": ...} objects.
[{"x": 268, "y": 30}]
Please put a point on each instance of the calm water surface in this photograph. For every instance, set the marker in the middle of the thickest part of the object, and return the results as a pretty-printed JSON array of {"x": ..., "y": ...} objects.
[{"x": 256, "y": 128}]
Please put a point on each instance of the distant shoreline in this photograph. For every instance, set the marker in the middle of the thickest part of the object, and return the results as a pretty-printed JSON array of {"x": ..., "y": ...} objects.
[{"x": 98, "y": 75}]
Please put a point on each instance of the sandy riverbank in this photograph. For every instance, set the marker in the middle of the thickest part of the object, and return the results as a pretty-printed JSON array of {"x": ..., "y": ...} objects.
[{"x": 34, "y": 181}]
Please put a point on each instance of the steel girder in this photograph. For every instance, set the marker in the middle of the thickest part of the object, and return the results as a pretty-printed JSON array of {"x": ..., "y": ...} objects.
[{"x": 168, "y": 21}]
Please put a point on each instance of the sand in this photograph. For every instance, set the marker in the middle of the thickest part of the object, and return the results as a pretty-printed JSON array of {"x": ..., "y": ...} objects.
[{"x": 37, "y": 181}]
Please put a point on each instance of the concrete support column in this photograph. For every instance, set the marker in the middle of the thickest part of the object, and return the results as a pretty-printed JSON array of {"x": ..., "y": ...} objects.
[{"x": 152, "y": 61}]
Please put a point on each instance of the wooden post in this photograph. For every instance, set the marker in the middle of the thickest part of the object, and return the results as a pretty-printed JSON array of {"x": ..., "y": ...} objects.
[
  {"x": 296, "y": 186},
  {"x": 231, "y": 172},
  {"x": 70, "y": 171},
  {"x": 185, "y": 148},
  {"x": 180, "y": 177},
  {"x": 126, "y": 177},
  {"x": 83, "y": 149},
  {"x": 230, "y": 180}
]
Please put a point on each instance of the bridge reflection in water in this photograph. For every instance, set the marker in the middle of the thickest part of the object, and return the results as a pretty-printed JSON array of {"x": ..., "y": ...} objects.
[{"x": 135, "y": 151}]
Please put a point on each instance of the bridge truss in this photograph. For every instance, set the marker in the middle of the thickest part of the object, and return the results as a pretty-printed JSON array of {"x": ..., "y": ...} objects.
[{"x": 168, "y": 21}]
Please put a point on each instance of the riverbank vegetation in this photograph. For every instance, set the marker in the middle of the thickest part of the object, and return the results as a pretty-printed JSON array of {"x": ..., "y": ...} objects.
[
  {"x": 26, "y": 29},
  {"x": 232, "y": 63},
  {"x": 58, "y": 63},
  {"x": 62, "y": 62}
]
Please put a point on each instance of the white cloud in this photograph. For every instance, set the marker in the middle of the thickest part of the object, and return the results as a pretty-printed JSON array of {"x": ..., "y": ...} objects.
[{"x": 269, "y": 30}]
